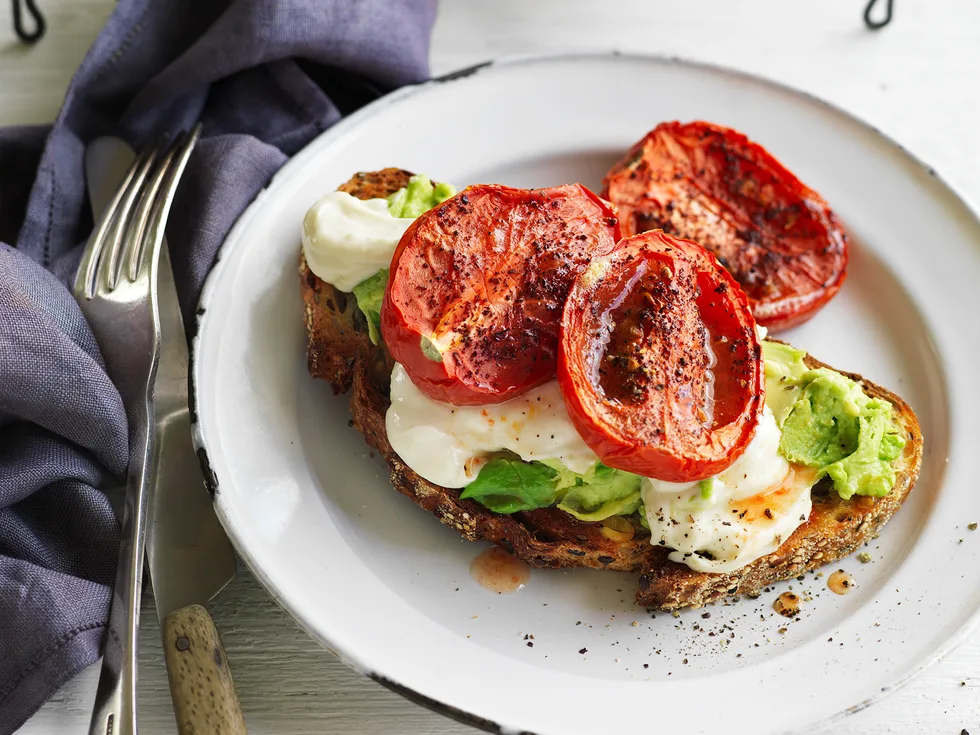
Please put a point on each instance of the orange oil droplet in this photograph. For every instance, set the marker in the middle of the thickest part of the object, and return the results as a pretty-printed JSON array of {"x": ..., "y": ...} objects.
[
  {"x": 500, "y": 572},
  {"x": 840, "y": 582}
]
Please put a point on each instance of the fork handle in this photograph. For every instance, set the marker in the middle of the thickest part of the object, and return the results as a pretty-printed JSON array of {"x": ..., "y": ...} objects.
[
  {"x": 201, "y": 686},
  {"x": 114, "y": 712}
]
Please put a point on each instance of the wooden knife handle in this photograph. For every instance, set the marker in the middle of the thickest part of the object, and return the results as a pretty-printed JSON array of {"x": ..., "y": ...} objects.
[{"x": 200, "y": 677}]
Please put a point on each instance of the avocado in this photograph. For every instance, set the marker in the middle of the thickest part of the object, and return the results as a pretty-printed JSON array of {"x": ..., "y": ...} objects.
[
  {"x": 830, "y": 424},
  {"x": 369, "y": 294},
  {"x": 602, "y": 492},
  {"x": 418, "y": 197}
]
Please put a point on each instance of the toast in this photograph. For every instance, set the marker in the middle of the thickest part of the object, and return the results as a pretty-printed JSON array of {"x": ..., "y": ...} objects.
[{"x": 340, "y": 352}]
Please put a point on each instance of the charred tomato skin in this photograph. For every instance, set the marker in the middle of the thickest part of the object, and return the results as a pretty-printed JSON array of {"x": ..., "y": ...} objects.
[
  {"x": 713, "y": 185},
  {"x": 477, "y": 286},
  {"x": 639, "y": 331}
]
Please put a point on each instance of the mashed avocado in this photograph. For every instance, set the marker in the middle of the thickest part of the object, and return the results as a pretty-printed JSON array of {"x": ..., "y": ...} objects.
[
  {"x": 830, "y": 424},
  {"x": 784, "y": 368},
  {"x": 418, "y": 197},
  {"x": 507, "y": 484},
  {"x": 599, "y": 493},
  {"x": 408, "y": 202},
  {"x": 369, "y": 294}
]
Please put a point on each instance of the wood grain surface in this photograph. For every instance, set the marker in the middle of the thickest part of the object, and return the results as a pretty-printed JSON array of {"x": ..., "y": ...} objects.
[{"x": 918, "y": 80}]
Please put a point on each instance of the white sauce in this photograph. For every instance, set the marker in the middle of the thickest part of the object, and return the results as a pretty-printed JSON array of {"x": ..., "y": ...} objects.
[
  {"x": 760, "y": 466},
  {"x": 754, "y": 506},
  {"x": 448, "y": 444},
  {"x": 347, "y": 240}
]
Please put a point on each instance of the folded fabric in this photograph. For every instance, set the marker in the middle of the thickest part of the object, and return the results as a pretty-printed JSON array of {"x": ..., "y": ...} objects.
[{"x": 264, "y": 77}]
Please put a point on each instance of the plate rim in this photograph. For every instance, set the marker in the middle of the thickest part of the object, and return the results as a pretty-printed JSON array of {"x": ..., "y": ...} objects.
[{"x": 379, "y": 105}]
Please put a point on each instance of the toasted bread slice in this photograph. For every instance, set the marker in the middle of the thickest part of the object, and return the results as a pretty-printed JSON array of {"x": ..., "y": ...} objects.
[
  {"x": 341, "y": 353},
  {"x": 338, "y": 332}
]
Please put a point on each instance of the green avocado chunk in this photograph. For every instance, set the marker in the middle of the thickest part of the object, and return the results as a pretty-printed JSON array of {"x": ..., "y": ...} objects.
[
  {"x": 602, "y": 492},
  {"x": 418, "y": 197},
  {"x": 369, "y": 294},
  {"x": 830, "y": 424},
  {"x": 784, "y": 368}
]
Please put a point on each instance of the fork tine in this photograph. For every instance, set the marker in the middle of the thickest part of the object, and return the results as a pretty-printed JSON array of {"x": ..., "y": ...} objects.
[
  {"x": 151, "y": 232},
  {"x": 108, "y": 274},
  {"x": 85, "y": 280},
  {"x": 135, "y": 239}
]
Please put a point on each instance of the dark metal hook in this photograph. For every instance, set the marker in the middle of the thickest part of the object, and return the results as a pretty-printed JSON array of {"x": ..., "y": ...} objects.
[
  {"x": 873, "y": 24},
  {"x": 39, "y": 25}
]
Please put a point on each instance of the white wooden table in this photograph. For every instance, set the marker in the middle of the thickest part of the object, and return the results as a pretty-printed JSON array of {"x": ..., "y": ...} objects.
[{"x": 918, "y": 80}]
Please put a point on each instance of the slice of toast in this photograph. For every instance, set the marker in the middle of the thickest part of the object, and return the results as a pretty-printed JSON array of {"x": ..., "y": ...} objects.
[
  {"x": 338, "y": 331},
  {"x": 341, "y": 353}
]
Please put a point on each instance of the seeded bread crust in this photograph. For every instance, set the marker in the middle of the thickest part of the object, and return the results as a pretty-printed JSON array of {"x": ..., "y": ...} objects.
[{"x": 340, "y": 352}]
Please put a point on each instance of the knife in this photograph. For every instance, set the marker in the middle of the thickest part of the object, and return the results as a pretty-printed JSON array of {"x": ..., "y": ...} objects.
[{"x": 190, "y": 557}]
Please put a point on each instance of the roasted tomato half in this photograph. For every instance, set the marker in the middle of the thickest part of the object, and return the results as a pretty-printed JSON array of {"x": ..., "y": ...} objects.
[
  {"x": 477, "y": 286},
  {"x": 713, "y": 185},
  {"x": 659, "y": 362}
]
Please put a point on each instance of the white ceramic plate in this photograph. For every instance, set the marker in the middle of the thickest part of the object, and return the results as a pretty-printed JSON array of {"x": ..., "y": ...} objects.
[{"x": 386, "y": 587}]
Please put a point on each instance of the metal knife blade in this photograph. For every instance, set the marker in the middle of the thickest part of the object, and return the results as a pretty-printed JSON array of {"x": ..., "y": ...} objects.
[{"x": 190, "y": 557}]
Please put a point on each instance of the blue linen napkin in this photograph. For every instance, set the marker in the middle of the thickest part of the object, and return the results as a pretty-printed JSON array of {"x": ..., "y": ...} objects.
[{"x": 265, "y": 77}]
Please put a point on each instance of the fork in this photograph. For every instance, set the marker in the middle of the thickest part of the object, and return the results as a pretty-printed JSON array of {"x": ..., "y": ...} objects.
[{"x": 115, "y": 288}]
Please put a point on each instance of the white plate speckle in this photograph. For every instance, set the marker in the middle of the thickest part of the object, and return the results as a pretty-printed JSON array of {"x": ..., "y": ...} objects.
[{"x": 387, "y": 587}]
